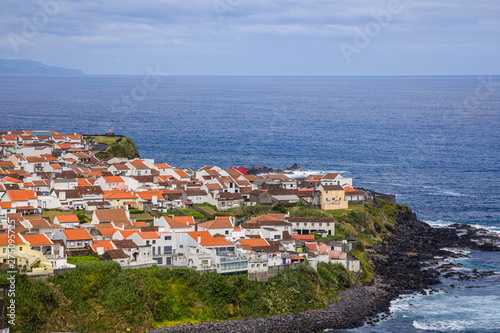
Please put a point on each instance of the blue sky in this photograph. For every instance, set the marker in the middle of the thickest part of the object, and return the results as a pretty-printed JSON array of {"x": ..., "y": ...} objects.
[{"x": 256, "y": 37}]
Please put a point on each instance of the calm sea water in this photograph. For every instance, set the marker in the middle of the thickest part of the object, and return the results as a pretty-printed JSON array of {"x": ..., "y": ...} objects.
[{"x": 433, "y": 141}]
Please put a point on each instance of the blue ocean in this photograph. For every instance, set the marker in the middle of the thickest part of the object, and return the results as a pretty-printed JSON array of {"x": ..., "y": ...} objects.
[{"x": 432, "y": 141}]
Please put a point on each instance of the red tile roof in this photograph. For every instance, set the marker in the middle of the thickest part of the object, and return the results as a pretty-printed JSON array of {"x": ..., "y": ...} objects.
[
  {"x": 77, "y": 234},
  {"x": 303, "y": 237},
  {"x": 218, "y": 223},
  {"x": 254, "y": 242},
  {"x": 148, "y": 235},
  {"x": 113, "y": 179},
  {"x": 18, "y": 239},
  {"x": 38, "y": 240},
  {"x": 22, "y": 195},
  {"x": 67, "y": 218},
  {"x": 106, "y": 244},
  {"x": 208, "y": 240}
]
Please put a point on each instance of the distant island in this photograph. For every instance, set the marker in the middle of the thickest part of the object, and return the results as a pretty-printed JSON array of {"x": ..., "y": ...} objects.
[{"x": 34, "y": 67}]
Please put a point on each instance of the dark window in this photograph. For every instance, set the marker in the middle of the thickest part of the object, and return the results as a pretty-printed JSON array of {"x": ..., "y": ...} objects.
[
  {"x": 167, "y": 250},
  {"x": 168, "y": 237}
]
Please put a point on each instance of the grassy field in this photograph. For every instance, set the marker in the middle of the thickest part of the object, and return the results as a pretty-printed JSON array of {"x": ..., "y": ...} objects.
[
  {"x": 192, "y": 212},
  {"x": 208, "y": 208},
  {"x": 142, "y": 217},
  {"x": 105, "y": 139},
  {"x": 52, "y": 213}
]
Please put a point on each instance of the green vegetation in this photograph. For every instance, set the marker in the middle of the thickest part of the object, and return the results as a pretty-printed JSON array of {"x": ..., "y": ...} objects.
[
  {"x": 193, "y": 213},
  {"x": 368, "y": 271},
  {"x": 116, "y": 147},
  {"x": 101, "y": 297},
  {"x": 210, "y": 209},
  {"x": 172, "y": 211},
  {"x": 141, "y": 216},
  {"x": 107, "y": 140},
  {"x": 79, "y": 260},
  {"x": 82, "y": 216}
]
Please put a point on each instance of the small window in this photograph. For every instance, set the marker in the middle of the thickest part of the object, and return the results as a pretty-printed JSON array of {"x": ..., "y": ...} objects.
[
  {"x": 20, "y": 248},
  {"x": 168, "y": 238},
  {"x": 147, "y": 242},
  {"x": 154, "y": 242}
]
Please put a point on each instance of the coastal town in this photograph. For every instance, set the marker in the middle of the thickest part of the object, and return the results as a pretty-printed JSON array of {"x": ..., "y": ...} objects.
[{"x": 61, "y": 199}]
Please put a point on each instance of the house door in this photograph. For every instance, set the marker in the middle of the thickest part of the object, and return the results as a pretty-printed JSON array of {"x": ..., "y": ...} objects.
[{"x": 284, "y": 261}]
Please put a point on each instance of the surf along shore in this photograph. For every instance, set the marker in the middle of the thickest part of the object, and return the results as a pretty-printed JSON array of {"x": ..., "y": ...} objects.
[{"x": 398, "y": 265}]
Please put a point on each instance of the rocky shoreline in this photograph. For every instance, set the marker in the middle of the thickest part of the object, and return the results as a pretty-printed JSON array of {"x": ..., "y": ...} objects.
[
  {"x": 257, "y": 170},
  {"x": 398, "y": 269}
]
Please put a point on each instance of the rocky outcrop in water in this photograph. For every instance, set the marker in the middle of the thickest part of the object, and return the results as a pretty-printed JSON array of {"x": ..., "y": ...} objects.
[{"x": 257, "y": 170}]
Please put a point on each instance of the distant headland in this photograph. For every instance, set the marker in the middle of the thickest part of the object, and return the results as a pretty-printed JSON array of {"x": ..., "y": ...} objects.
[{"x": 34, "y": 67}]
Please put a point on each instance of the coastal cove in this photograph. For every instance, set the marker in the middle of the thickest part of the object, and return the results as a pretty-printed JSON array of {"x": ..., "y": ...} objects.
[{"x": 398, "y": 268}]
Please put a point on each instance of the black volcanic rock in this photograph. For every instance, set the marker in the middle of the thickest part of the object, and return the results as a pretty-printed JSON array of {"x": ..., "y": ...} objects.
[
  {"x": 256, "y": 170},
  {"x": 397, "y": 268}
]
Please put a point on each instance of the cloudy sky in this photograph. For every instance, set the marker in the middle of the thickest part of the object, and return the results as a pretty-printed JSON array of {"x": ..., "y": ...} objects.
[{"x": 256, "y": 37}]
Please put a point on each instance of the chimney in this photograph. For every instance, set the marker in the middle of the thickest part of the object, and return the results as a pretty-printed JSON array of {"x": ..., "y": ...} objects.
[
  {"x": 62, "y": 195},
  {"x": 199, "y": 239},
  {"x": 154, "y": 199}
]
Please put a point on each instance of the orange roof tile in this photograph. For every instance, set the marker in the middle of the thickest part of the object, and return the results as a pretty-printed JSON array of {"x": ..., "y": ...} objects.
[
  {"x": 148, "y": 195},
  {"x": 162, "y": 166},
  {"x": 219, "y": 223},
  {"x": 208, "y": 240},
  {"x": 21, "y": 195},
  {"x": 181, "y": 173},
  {"x": 303, "y": 237},
  {"x": 106, "y": 244},
  {"x": 83, "y": 182},
  {"x": 254, "y": 242},
  {"x": 77, "y": 234},
  {"x": 108, "y": 195},
  {"x": 38, "y": 240},
  {"x": 11, "y": 180},
  {"x": 148, "y": 235},
  {"x": 113, "y": 179},
  {"x": 107, "y": 231},
  {"x": 67, "y": 218},
  {"x": 18, "y": 239},
  {"x": 173, "y": 224},
  {"x": 185, "y": 219},
  {"x": 126, "y": 233},
  {"x": 5, "y": 204}
]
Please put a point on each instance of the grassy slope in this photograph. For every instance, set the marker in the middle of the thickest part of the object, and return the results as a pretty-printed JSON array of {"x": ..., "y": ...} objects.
[
  {"x": 100, "y": 296},
  {"x": 124, "y": 148}
]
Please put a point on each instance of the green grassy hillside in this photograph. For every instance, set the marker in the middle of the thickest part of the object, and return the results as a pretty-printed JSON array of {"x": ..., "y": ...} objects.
[
  {"x": 116, "y": 146},
  {"x": 102, "y": 297}
]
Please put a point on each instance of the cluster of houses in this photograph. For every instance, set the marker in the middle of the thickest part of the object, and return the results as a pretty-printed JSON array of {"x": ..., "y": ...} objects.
[{"x": 45, "y": 170}]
